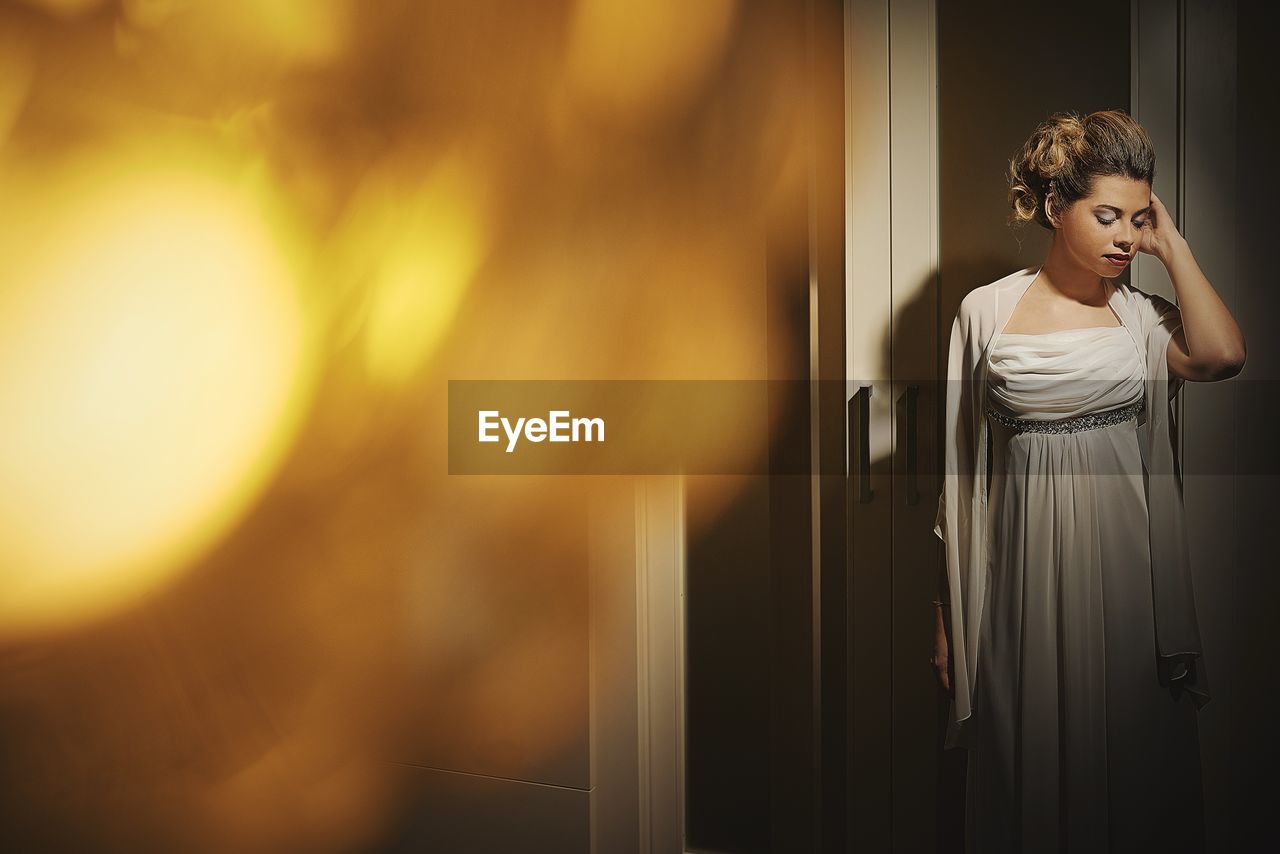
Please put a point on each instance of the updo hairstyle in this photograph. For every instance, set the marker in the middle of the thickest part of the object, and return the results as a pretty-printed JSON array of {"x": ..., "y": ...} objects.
[{"x": 1066, "y": 153}]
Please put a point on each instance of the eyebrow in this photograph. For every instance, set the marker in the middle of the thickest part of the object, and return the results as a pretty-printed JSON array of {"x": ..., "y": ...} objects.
[{"x": 1119, "y": 212}]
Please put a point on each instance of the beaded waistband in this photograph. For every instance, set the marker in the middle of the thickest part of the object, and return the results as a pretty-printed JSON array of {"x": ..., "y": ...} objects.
[{"x": 1090, "y": 421}]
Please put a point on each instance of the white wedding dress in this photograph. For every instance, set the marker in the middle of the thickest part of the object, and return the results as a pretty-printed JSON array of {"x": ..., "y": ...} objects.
[{"x": 1078, "y": 748}]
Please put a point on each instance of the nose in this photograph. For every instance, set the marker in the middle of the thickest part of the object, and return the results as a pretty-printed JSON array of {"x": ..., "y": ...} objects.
[{"x": 1125, "y": 241}]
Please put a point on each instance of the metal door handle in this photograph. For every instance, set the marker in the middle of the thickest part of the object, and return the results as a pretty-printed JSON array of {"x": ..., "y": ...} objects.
[
  {"x": 913, "y": 493},
  {"x": 862, "y": 401}
]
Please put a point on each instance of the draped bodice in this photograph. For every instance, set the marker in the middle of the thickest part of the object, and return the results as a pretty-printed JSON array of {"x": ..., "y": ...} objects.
[{"x": 1065, "y": 373}]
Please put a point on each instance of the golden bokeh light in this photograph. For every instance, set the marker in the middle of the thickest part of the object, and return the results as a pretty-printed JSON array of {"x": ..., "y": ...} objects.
[
  {"x": 154, "y": 362},
  {"x": 431, "y": 239},
  {"x": 244, "y": 247}
]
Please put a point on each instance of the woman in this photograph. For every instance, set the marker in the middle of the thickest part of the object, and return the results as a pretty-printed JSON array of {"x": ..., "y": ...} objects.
[{"x": 1070, "y": 642}]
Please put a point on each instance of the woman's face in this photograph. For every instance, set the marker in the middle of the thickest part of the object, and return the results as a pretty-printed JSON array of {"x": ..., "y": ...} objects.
[{"x": 1105, "y": 225}]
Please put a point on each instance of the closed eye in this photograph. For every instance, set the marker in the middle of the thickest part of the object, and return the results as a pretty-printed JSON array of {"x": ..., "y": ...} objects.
[{"x": 1138, "y": 223}]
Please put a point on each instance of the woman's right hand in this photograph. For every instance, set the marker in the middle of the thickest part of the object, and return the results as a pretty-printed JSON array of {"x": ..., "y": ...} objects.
[{"x": 940, "y": 654}]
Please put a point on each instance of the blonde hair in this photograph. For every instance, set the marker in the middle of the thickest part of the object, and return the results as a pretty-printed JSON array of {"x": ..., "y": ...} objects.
[{"x": 1066, "y": 153}]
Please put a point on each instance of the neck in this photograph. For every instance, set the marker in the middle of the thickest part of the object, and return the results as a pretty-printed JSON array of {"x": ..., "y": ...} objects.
[{"x": 1061, "y": 274}]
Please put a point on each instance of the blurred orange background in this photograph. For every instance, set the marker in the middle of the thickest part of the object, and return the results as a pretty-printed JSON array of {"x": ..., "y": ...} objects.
[{"x": 245, "y": 245}]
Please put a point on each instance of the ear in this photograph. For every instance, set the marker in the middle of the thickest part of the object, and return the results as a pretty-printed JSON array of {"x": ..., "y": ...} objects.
[{"x": 1049, "y": 212}]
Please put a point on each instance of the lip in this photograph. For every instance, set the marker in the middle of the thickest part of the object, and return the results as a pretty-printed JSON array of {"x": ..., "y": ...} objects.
[{"x": 1118, "y": 259}]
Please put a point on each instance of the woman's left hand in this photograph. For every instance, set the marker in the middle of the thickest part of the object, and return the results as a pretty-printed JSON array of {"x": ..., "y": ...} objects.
[{"x": 1159, "y": 236}]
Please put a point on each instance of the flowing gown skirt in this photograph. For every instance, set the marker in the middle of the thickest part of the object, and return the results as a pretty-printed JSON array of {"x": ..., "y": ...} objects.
[{"x": 1078, "y": 748}]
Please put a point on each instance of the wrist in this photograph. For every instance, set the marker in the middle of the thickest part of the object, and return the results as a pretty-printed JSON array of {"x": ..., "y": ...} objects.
[{"x": 1176, "y": 249}]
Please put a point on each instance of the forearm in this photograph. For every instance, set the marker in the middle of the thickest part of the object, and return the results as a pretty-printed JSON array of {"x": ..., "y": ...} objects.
[
  {"x": 1212, "y": 334},
  {"x": 940, "y": 600}
]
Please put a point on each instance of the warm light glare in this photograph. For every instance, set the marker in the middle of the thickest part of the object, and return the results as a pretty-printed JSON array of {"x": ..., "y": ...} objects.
[
  {"x": 244, "y": 247},
  {"x": 152, "y": 364},
  {"x": 430, "y": 242}
]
